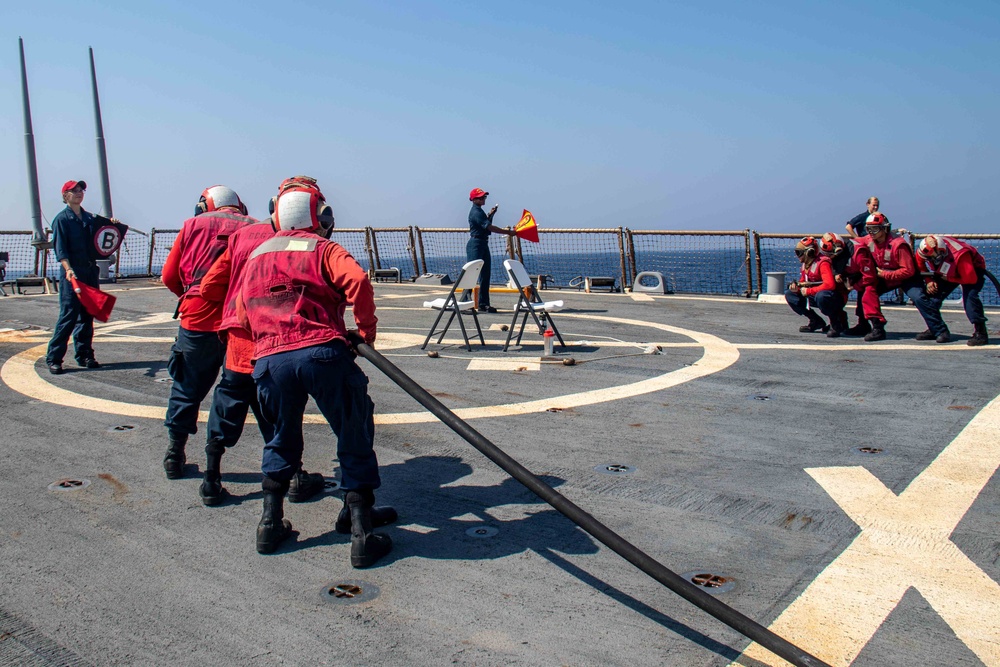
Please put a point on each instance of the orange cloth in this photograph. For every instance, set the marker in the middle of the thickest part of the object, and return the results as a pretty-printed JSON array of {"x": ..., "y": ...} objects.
[
  {"x": 196, "y": 312},
  {"x": 527, "y": 228}
]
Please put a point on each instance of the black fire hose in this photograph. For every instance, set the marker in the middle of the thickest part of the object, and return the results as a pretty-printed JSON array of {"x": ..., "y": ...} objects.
[
  {"x": 993, "y": 279},
  {"x": 734, "y": 619}
]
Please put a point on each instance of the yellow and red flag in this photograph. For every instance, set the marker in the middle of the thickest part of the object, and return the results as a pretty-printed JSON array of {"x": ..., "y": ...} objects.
[{"x": 527, "y": 228}]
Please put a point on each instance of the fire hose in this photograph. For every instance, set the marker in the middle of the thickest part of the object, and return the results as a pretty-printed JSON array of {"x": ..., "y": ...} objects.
[{"x": 682, "y": 587}]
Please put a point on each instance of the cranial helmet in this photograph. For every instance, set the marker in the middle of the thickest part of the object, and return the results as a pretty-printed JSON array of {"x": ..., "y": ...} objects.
[
  {"x": 831, "y": 244},
  {"x": 878, "y": 220},
  {"x": 932, "y": 250},
  {"x": 806, "y": 248},
  {"x": 300, "y": 204},
  {"x": 216, "y": 197}
]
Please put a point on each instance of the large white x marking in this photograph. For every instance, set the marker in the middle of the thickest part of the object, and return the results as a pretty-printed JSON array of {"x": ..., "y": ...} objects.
[{"x": 904, "y": 542}]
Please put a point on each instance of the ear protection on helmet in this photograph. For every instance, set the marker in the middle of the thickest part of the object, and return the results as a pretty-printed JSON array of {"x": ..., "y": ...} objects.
[
  {"x": 216, "y": 197},
  {"x": 931, "y": 249},
  {"x": 806, "y": 247},
  {"x": 878, "y": 220},
  {"x": 831, "y": 244}
]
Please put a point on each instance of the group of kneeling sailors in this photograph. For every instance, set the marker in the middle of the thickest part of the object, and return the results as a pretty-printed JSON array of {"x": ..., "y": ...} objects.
[{"x": 881, "y": 262}]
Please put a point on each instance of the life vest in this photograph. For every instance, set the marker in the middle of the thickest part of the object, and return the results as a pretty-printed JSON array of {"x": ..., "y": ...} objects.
[
  {"x": 289, "y": 304},
  {"x": 243, "y": 242},
  {"x": 950, "y": 268},
  {"x": 812, "y": 274},
  {"x": 860, "y": 266},
  {"x": 205, "y": 238},
  {"x": 885, "y": 256}
]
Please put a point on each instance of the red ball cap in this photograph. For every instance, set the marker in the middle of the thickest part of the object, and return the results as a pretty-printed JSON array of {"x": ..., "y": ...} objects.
[
  {"x": 477, "y": 193},
  {"x": 69, "y": 185}
]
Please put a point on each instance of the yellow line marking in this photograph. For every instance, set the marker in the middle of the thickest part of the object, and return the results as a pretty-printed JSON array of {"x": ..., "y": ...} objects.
[
  {"x": 904, "y": 542},
  {"x": 19, "y": 374},
  {"x": 504, "y": 365},
  {"x": 865, "y": 347}
]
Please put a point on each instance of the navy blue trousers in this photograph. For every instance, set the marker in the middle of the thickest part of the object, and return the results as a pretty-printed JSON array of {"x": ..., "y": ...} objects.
[
  {"x": 234, "y": 397},
  {"x": 328, "y": 373},
  {"x": 480, "y": 249},
  {"x": 930, "y": 305},
  {"x": 73, "y": 320},
  {"x": 828, "y": 301},
  {"x": 194, "y": 363}
]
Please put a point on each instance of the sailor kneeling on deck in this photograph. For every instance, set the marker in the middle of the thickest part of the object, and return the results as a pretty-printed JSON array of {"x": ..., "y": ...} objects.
[
  {"x": 817, "y": 286},
  {"x": 294, "y": 291}
]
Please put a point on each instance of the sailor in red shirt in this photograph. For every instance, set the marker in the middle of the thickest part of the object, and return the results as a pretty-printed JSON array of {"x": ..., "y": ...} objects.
[
  {"x": 946, "y": 263},
  {"x": 293, "y": 293},
  {"x": 197, "y": 353},
  {"x": 854, "y": 269},
  {"x": 816, "y": 285},
  {"x": 895, "y": 268}
]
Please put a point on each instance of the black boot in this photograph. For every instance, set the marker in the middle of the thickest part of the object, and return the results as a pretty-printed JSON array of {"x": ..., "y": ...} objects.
[
  {"x": 926, "y": 334},
  {"x": 980, "y": 337},
  {"x": 366, "y": 546},
  {"x": 381, "y": 516},
  {"x": 273, "y": 527},
  {"x": 838, "y": 325},
  {"x": 816, "y": 323},
  {"x": 174, "y": 460},
  {"x": 304, "y": 486},
  {"x": 212, "y": 492},
  {"x": 944, "y": 336},
  {"x": 877, "y": 332},
  {"x": 860, "y": 329}
]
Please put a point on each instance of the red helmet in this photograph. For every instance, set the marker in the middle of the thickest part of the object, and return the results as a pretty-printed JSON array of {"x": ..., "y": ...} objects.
[
  {"x": 878, "y": 220},
  {"x": 806, "y": 247},
  {"x": 831, "y": 244},
  {"x": 931, "y": 249}
]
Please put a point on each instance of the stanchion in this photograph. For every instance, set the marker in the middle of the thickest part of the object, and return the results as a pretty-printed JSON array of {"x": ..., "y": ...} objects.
[{"x": 682, "y": 587}]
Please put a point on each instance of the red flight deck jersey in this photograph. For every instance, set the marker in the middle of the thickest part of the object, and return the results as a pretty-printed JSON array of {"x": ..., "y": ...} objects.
[{"x": 962, "y": 263}]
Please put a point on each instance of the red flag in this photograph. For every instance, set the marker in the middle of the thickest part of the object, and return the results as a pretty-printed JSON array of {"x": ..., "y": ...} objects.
[
  {"x": 94, "y": 301},
  {"x": 527, "y": 228}
]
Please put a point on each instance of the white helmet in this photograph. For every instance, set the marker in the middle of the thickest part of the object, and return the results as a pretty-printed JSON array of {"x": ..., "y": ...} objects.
[
  {"x": 301, "y": 205},
  {"x": 216, "y": 197}
]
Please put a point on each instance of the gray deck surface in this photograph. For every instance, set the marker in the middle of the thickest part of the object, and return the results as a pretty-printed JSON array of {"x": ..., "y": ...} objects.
[{"x": 133, "y": 570}]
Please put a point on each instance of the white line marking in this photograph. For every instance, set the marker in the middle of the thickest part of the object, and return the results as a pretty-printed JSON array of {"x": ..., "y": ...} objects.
[{"x": 904, "y": 542}]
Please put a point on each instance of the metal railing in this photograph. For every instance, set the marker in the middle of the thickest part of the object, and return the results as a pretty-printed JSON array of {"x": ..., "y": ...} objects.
[{"x": 701, "y": 262}]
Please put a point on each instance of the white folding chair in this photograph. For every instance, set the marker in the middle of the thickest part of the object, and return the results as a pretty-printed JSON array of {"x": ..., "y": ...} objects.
[
  {"x": 467, "y": 279},
  {"x": 526, "y": 305}
]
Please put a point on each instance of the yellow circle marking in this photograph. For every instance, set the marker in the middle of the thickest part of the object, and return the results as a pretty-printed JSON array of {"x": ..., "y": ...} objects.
[{"x": 19, "y": 374}]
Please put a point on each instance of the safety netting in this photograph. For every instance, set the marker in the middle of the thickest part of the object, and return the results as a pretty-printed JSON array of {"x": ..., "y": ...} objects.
[
  {"x": 133, "y": 255},
  {"x": 709, "y": 262},
  {"x": 442, "y": 250},
  {"x": 160, "y": 243},
  {"x": 354, "y": 241},
  {"x": 564, "y": 258},
  {"x": 393, "y": 248},
  {"x": 21, "y": 255}
]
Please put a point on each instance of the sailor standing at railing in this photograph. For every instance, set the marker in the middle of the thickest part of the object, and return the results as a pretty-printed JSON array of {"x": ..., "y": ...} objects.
[
  {"x": 946, "y": 263},
  {"x": 478, "y": 247},
  {"x": 817, "y": 285},
  {"x": 856, "y": 225}
]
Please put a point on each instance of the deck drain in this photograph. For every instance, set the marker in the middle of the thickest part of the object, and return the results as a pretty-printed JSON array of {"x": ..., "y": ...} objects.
[
  {"x": 870, "y": 450},
  {"x": 164, "y": 380},
  {"x": 615, "y": 469},
  {"x": 349, "y": 592},
  {"x": 710, "y": 582},
  {"x": 331, "y": 485},
  {"x": 554, "y": 410},
  {"x": 69, "y": 484},
  {"x": 482, "y": 531},
  {"x": 759, "y": 397},
  {"x": 121, "y": 428}
]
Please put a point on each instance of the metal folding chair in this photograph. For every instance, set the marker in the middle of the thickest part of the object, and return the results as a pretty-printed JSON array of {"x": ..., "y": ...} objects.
[
  {"x": 467, "y": 279},
  {"x": 529, "y": 303}
]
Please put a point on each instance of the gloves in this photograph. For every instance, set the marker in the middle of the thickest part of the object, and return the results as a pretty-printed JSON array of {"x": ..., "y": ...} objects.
[{"x": 354, "y": 339}]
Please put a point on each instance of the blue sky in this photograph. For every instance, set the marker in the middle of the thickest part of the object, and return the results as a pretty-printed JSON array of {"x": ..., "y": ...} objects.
[{"x": 780, "y": 117}]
